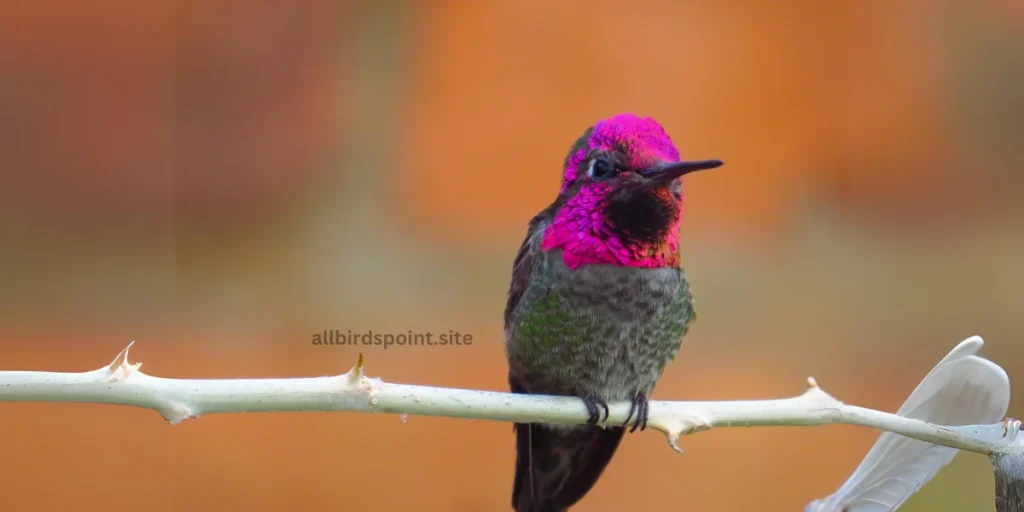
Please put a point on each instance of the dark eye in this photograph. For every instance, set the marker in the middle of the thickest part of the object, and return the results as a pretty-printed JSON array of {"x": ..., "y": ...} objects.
[{"x": 601, "y": 169}]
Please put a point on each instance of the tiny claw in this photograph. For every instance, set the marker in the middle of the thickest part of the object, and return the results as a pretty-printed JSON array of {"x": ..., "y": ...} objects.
[
  {"x": 594, "y": 406},
  {"x": 639, "y": 404},
  {"x": 632, "y": 409},
  {"x": 647, "y": 406}
]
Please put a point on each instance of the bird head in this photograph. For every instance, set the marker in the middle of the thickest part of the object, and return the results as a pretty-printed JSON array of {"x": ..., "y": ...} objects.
[{"x": 621, "y": 197}]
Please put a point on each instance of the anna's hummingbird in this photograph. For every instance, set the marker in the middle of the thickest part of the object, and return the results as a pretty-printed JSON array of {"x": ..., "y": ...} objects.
[{"x": 598, "y": 303}]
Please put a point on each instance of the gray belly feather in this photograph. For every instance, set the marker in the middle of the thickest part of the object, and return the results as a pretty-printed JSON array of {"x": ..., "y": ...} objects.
[{"x": 602, "y": 330}]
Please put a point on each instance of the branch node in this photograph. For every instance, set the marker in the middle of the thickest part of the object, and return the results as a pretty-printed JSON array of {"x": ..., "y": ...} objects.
[
  {"x": 1011, "y": 428},
  {"x": 120, "y": 369},
  {"x": 175, "y": 413}
]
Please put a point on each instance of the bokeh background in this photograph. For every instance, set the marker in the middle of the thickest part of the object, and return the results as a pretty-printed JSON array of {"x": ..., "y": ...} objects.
[{"x": 220, "y": 180}]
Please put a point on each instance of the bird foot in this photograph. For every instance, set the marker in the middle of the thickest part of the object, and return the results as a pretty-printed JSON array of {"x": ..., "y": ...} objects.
[
  {"x": 594, "y": 406},
  {"x": 639, "y": 406}
]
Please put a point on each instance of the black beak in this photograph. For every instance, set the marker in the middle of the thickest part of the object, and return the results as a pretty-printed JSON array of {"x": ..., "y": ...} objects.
[{"x": 669, "y": 172}]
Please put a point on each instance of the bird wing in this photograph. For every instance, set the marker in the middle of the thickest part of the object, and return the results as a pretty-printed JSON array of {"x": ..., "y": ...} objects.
[{"x": 526, "y": 263}]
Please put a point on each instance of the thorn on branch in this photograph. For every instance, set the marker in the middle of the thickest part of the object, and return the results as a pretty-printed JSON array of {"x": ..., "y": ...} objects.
[
  {"x": 356, "y": 373},
  {"x": 678, "y": 427},
  {"x": 356, "y": 378},
  {"x": 120, "y": 369}
]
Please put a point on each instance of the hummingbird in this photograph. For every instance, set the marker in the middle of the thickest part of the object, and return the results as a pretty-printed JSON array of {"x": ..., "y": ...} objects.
[{"x": 598, "y": 304}]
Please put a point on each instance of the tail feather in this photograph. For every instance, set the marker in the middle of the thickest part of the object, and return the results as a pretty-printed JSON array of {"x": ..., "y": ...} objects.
[{"x": 556, "y": 467}]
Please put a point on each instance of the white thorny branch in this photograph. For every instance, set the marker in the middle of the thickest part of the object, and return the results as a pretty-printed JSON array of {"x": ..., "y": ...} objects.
[{"x": 958, "y": 406}]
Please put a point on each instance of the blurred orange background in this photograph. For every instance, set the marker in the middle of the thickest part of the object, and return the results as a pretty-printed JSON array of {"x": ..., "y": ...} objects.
[{"x": 221, "y": 180}]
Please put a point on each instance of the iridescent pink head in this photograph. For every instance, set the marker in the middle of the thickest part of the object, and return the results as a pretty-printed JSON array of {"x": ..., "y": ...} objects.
[{"x": 621, "y": 197}]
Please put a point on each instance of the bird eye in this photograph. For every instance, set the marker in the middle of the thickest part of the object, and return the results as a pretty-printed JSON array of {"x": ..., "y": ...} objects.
[{"x": 601, "y": 169}]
